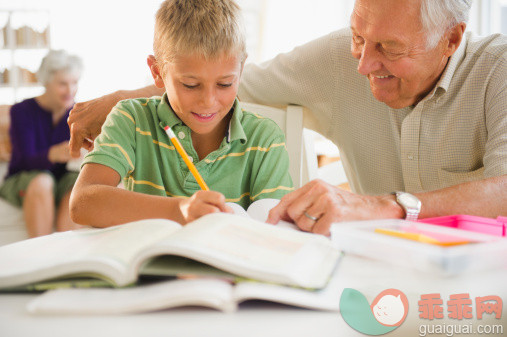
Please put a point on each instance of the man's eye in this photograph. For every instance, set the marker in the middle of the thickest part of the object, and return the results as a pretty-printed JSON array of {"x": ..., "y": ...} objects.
[
  {"x": 224, "y": 85},
  {"x": 357, "y": 39},
  {"x": 190, "y": 86},
  {"x": 392, "y": 53}
]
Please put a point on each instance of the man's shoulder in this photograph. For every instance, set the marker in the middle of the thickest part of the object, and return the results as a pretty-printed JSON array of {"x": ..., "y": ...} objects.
[
  {"x": 493, "y": 46},
  {"x": 343, "y": 33},
  {"x": 338, "y": 40}
]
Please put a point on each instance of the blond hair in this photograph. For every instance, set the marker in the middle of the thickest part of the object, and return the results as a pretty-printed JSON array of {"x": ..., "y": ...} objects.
[{"x": 204, "y": 27}]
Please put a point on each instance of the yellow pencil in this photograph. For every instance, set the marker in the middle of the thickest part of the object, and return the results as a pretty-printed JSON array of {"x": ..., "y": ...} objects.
[{"x": 186, "y": 159}]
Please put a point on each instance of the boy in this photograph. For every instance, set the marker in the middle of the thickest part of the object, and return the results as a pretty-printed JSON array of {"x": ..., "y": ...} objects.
[{"x": 199, "y": 56}]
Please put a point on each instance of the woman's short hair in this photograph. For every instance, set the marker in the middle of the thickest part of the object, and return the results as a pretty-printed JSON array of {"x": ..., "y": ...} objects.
[
  {"x": 204, "y": 27},
  {"x": 437, "y": 16},
  {"x": 57, "y": 60}
]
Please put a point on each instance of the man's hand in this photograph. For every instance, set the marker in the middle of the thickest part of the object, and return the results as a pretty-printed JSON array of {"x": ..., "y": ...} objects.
[
  {"x": 315, "y": 206},
  {"x": 86, "y": 119},
  {"x": 59, "y": 153},
  {"x": 202, "y": 203}
]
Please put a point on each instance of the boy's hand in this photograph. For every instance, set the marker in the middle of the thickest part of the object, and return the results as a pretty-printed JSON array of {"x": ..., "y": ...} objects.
[{"x": 202, "y": 203}]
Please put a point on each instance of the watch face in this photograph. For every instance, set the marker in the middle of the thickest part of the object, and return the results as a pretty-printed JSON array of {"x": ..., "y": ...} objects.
[{"x": 409, "y": 200}]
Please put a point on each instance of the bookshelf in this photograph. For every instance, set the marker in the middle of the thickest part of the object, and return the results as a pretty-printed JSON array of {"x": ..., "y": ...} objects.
[{"x": 24, "y": 41}]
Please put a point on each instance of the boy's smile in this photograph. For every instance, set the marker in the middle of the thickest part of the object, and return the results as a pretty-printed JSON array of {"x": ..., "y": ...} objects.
[{"x": 202, "y": 91}]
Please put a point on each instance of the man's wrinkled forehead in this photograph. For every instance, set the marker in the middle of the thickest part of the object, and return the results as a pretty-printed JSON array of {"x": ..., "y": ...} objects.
[
  {"x": 386, "y": 20},
  {"x": 391, "y": 11}
]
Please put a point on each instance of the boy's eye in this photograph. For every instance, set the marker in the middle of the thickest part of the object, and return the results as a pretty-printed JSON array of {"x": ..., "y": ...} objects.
[
  {"x": 224, "y": 85},
  {"x": 190, "y": 86}
]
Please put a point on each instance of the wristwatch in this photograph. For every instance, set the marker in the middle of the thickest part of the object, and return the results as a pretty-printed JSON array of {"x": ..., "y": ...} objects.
[{"x": 410, "y": 204}]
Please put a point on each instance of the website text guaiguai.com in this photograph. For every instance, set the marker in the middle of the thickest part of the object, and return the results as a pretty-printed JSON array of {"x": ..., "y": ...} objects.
[
  {"x": 460, "y": 329},
  {"x": 460, "y": 310}
]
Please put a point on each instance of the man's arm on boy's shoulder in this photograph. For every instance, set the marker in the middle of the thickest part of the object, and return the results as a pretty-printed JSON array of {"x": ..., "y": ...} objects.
[{"x": 86, "y": 118}]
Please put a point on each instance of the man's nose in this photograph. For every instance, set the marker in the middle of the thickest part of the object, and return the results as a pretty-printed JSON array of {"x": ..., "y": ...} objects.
[{"x": 369, "y": 60}]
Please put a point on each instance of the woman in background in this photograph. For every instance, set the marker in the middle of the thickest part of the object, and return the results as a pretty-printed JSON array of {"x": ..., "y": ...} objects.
[{"x": 37, "y": 179}]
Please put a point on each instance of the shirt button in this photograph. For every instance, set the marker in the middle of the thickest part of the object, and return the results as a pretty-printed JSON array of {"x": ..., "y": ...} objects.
[
  {"x": 181, "y": 135},
  {"x": 411, "y": 157}
]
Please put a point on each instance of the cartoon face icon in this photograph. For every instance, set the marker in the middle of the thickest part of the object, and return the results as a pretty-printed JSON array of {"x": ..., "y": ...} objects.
[{"x": 390, "y": 307}]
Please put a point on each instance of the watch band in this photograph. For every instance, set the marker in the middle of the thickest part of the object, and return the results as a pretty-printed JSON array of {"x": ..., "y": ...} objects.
[
  {"x": 411, "y": 215},
  {"x": 412, "y": 206}
]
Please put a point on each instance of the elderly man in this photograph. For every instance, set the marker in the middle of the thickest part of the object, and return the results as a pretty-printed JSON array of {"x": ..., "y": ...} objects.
[{"x": 419, "y": 114}]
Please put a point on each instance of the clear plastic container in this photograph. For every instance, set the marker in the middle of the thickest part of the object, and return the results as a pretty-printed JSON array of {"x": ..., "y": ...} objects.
[
  {"x": 483, "y": 252},
  {"x": 471, "y": 223}
]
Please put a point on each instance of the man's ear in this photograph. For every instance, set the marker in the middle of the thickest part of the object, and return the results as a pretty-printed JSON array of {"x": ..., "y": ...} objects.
[
  {"x": 454, "y": 38},
  {"x": 155, "y": 71}
]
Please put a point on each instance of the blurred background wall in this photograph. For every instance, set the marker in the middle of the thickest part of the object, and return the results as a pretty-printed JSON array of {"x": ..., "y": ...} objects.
[{"x": 114, "y": 36}]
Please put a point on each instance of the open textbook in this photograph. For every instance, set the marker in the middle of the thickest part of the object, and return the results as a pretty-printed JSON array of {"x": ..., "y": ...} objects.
[
  {"x": 259, "y": 210},
  {"x": 238, "y": 245},
  {"x": 215, "y": 293}
]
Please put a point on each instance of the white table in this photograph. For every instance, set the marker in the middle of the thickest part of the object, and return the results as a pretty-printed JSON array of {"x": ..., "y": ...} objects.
[{"x": 265, "y": 319}]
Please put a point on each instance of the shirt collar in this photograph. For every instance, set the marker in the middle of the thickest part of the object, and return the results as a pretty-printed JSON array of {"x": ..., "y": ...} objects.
[
  {"x": 166, "y": 114},
  {"x": 452, "y": 65},
  {"x": 235, "y": 131}
]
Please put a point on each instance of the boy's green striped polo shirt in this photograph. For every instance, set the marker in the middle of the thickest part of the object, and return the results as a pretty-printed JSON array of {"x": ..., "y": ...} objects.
[{"x": 251, "y": 163}]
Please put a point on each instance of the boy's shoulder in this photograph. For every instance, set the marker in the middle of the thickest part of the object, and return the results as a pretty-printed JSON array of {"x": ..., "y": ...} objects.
[
  {"x": 255, "y": 124},
  {"x": 139, "y": 110},
  {"x": 139, "y": 104}
]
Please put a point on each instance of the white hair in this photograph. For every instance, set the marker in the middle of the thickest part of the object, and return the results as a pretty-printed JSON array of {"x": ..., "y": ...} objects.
[
  {"x": 57, "y": 60},
  {"x": 437, "y": 16}
]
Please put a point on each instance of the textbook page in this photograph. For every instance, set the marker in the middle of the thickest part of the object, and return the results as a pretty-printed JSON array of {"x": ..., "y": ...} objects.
[
  {"x": 259, "y": 210},
  {"x": 327, "y": 298},
  {"x": 210, "y": 292},
  {"x": 252, "y": 249},
  {"x": 213, "y": 293},
  {"x": 74, "y": 165},
  {"x": 172, "y": 265},
  {"x": 105, "y": 253}
]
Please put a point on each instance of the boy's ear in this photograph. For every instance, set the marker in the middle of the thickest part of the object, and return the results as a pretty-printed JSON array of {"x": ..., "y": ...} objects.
[{"x": 155, "y": 71}]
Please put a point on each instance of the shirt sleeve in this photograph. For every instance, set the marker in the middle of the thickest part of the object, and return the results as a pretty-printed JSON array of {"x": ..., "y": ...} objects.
[
  {"x": 306, "y": 76},
  {"x": 495, "y": 158},
  {"x": 115, "y": 146},
  {"x": 22, "y": 134},
  {"x": 271, "y": 178}
]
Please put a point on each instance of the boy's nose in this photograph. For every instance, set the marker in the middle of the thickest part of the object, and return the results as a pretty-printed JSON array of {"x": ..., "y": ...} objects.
[{"x": 209, "y": 98}]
